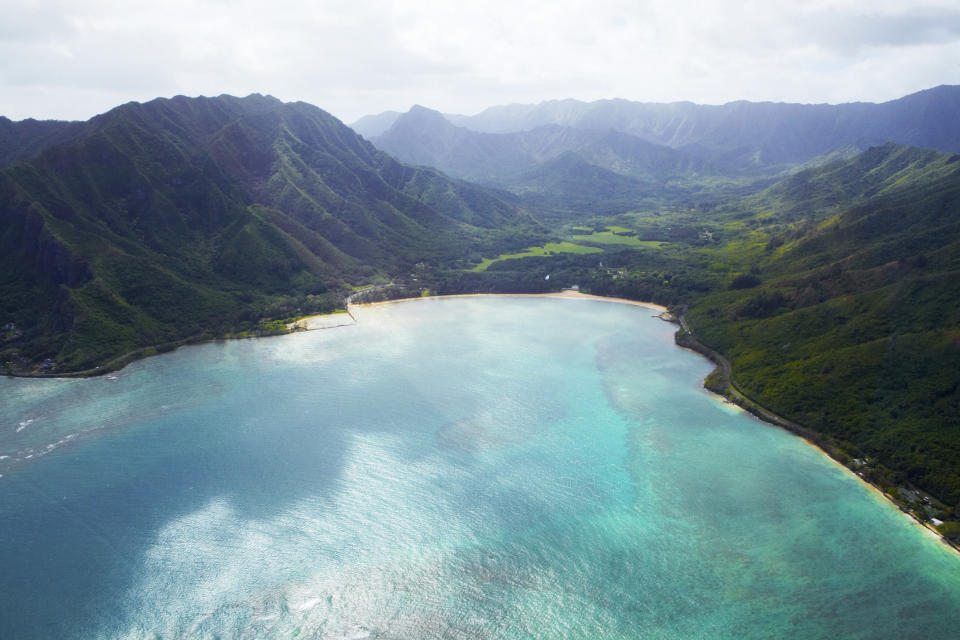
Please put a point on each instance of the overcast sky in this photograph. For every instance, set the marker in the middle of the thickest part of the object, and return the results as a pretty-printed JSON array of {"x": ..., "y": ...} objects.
[{"x": 72, "y": 59}]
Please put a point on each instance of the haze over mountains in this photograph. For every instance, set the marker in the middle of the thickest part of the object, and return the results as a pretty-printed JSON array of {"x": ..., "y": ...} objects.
[{"x": 739, "y": 136}]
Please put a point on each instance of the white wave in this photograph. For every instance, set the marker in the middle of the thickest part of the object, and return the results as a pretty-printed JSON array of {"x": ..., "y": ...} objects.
[
  {"x": 39, "y": 453},
  {"x": 24, "y": 424}
]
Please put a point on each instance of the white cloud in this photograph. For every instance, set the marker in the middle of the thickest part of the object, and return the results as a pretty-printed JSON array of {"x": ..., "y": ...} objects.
[{"x": 70, "y": 60}]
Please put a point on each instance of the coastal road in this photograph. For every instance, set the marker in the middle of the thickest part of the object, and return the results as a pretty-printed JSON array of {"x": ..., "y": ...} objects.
[{"x": 735, "y": 393}]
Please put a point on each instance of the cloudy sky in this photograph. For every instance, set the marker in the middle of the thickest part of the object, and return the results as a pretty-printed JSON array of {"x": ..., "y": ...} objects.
[{"x": 69, "y": 59}]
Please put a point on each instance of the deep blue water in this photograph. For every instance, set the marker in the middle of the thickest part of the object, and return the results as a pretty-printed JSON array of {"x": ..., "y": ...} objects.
[{"x": 457, "y": 468}]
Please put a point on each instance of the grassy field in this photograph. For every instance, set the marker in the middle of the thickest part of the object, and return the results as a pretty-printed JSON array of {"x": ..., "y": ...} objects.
[
  {"x": 610, "y": 237},
  {"x": 548, "y": 249},
  {"x": 611, "y": 234}
]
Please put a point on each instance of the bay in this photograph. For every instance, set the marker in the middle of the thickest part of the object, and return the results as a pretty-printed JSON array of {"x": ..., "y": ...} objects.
[{"x": 445, "y": 468}]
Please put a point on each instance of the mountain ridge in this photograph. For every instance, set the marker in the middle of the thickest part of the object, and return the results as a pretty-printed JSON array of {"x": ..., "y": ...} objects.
[
  {"x": 521, "y": 162},
  {"x": 171, "y": 218},
  {"x": 749, "y": 135}
]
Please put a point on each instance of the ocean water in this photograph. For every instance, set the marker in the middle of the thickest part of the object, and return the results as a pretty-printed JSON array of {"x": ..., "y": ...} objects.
[{"x": 449, "y": 468}]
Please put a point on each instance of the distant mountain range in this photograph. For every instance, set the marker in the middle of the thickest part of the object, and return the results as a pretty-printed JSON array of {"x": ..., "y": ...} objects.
[
  {"x": 426, "y": 137},
  {"x": 758, "y": 138},
  {"x": 158, "y": 221},
  {"x": 554, "y": 169}
]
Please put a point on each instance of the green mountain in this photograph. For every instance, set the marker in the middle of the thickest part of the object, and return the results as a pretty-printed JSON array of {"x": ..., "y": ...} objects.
[
  {"x": 643, "y": 155},
  {"x": 570, "y": 185},
  {"x": 560, "y": 171},
  {"x": 845, "y": 315},
  {"x": 424, "y": 137},
  {"x": 175, "y": 218}
]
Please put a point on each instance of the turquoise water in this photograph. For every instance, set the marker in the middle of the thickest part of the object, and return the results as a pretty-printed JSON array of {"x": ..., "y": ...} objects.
[{"x": 458, "y": 468}]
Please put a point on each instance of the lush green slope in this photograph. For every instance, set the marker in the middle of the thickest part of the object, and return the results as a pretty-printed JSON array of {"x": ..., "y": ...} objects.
[
  {"x": 178, "y": 217},
  {"x": 852, "y": 325}
]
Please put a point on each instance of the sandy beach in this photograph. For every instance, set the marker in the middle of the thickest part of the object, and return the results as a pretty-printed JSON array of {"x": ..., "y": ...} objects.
[
  {"x": 566, "y": 293},
  {"x": 323, "y": 321}
]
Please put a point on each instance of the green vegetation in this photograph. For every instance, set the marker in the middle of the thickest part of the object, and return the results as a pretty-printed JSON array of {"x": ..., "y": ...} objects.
[
  {"x": 548, "y": 249},
  {"x": 197, "y": 218},
  {"x": 617, "y": 235},
  {"x": 850, "y": 324}
]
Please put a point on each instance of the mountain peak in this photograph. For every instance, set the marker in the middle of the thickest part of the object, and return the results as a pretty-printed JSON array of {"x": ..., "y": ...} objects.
[
  {"x": 215, "y": 208},
  {"x": 417, "y": 108},
  {"x": 424, "y": 114},
  {"x": 419, "y": 120}
]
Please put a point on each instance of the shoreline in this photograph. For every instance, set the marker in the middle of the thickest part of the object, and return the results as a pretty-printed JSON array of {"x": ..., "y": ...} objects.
[
  {"x": 683, "y": 338},
  {"x": 759, "y": 412},
  {"x": 874, "y": 490},
  {"x": 119, "y": 362},
  {"x": 686, "y": 340},
  {"x": 321, "y": 321},
  {"x": 568, "y": 294}
]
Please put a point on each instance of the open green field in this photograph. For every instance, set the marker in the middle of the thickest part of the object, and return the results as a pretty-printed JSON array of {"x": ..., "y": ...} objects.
[
  {"x": 609, "y": 237},
  {"x": 613, "y": 234},
  {"x": 548, "y": 249},
  {"x": 610, "y": 227}
]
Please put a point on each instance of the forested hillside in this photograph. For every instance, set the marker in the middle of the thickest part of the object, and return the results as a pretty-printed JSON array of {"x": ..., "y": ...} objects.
[
  {"x": 24, "y": 139},
  {"x": 848, "y": 321},
  {"x": 159, "y": 221}
]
